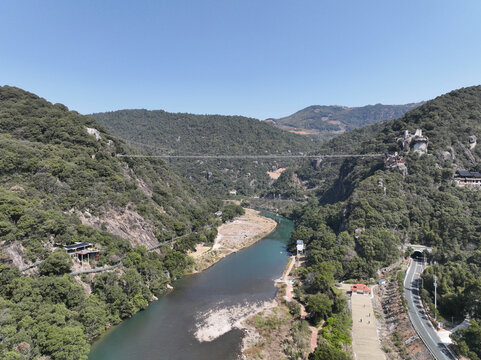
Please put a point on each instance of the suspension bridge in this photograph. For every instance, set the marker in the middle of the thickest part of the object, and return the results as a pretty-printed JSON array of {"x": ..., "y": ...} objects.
[{"x": 268, "y": 156}]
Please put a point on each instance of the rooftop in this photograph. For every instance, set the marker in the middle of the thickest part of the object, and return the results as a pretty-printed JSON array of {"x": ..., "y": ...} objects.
[
  {"x": 77, "y": 245},
  {"x": 360, "y": 287},
  {"x": 466, "y": 173}
]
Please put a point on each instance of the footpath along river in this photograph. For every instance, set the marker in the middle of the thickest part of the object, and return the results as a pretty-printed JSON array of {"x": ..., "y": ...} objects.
[{"x": 200, "y": 318}]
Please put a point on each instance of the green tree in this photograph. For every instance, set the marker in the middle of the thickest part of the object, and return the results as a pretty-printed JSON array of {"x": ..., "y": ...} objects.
[
  {"x": 469, "y": 340},
  {"x": 93, "y": 315},
  {"x": 64, "y": 343},
  {"x": 57, "y": 263},
  {"x": 326, "y": 352},
  {"x": 230, "y": 211},
  {"x": 319, "y": 306}
]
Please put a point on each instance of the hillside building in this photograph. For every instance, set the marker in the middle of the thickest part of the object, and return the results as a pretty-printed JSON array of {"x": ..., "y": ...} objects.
[
  {"x": 394, "y": 161},
  {"x": 393, "y": 158},
  {"x": 300, "y": 247},
  {"x": 417, "y": 141},
  {"x": 83, "y": 251},
  {"x": 464, "y": 177},
  {"x": 360, "y": 289},
  {"x": 77, "y": 246}
]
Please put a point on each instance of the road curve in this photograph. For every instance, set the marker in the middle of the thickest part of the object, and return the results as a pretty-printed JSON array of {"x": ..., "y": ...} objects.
[{"x": 418, "y": 316}]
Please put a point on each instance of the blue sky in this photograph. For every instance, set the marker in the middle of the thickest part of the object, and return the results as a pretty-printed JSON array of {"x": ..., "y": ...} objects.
[{"x": 260, "y": 58}]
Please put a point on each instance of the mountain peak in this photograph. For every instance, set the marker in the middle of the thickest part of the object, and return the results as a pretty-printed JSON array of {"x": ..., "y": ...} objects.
[{"x": 325, "y": 121}]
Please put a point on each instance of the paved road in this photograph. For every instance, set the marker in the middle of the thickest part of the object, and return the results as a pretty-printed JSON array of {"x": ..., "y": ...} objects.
[{"x": 418, "y": 317}]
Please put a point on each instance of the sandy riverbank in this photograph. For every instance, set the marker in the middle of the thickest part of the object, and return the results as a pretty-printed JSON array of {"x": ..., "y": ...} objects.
[
  {"x": 233, "y": 236},
  {"x": 273, "y": 333}
]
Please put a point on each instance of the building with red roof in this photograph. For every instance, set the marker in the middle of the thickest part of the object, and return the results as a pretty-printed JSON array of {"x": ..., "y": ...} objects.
[{"x": 360, "y": 289}]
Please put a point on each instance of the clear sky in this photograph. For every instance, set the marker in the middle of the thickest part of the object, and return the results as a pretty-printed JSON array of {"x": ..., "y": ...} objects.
[{"x": 260, "y": 58}]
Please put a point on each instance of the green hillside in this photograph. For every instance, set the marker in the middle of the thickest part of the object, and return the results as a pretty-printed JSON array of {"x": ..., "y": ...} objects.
[
  {"x": 328, "y": 121},
  {"x": 368, "y": 210},
  {"x": 61, "y": 182},
  {"x": 161, "y": 132}
]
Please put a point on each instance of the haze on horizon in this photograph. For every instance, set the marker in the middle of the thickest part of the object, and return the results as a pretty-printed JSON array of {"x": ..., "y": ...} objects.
[{"x": 260, "y": 59}]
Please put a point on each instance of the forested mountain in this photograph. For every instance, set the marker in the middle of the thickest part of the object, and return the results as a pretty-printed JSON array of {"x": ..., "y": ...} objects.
[
  {"x": 162, "y": 132},
  {"x": 366, "y": 208},
  {"x": 61, "y": 182},
  {"x": 327, "y": 121}
]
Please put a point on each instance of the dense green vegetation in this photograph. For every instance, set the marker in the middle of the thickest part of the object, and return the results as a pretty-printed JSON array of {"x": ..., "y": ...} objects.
[
  {"x": 53, "y": 315},
  {"x": 364, "y": 213},
  {"x": 230, "y": 211},
  {"x": 52, "y": 171},
  {"x": 166, "y": 133},
  {"x": 54, "y": 175},
  {"x": 330, "y": 120},
  {"x": 325, "y": 303}
]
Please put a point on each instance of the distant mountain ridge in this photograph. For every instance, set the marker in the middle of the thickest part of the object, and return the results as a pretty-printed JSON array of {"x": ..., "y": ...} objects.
[{"x": 327, "y": 121}]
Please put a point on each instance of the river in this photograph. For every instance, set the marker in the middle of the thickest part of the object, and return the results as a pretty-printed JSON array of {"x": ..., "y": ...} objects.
[{"x": 199, "y": 318}]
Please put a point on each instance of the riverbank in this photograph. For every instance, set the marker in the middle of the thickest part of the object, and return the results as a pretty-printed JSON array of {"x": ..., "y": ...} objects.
[
  {"x": 202, "y": 317},
  {"x": 233, "y": 236},
  {"x": 279, "y": 330}
]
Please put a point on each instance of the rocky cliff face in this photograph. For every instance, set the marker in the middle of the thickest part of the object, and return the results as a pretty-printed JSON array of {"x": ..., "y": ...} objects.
[{"x": 126, "y": 223}]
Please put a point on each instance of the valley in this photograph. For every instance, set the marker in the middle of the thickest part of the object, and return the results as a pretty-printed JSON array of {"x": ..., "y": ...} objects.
[
  {"x": 189, "y": 135},
  {"x": 245, "y": 180},
  {"x": 203, "y": 315},
  {"x": 355, "y": 201}
]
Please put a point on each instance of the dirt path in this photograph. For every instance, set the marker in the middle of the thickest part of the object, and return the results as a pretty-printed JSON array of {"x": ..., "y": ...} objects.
[
  {"x": 292, "y": 262},
  {"x": 315, "y": 334},
  {"x": 233, "y": 236},
  {"x": 289, "y": 296}
]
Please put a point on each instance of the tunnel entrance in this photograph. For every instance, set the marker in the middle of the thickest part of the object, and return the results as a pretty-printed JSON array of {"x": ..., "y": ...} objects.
[{"x": 417, "y": 255}]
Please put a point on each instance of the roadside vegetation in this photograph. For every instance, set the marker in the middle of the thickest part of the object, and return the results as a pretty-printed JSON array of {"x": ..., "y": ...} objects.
[{"x": 356, "y": 226}]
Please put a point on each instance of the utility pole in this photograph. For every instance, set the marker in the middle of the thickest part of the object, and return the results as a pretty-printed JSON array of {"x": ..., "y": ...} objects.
[{"x": 435, "y": 298}]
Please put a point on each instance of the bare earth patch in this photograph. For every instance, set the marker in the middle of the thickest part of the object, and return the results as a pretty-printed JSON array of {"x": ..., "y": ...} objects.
[
  {"x": 275, "y": 334},
  {"x": 299, "y": 131},
  {"x": 276, "y": 173},
  {"x": 242, "y": 232},
  {"x": 200, "y": 251}
]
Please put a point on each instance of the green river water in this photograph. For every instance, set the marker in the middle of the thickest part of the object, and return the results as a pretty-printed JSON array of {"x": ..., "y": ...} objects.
[{"x": 199, "y": 318}]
